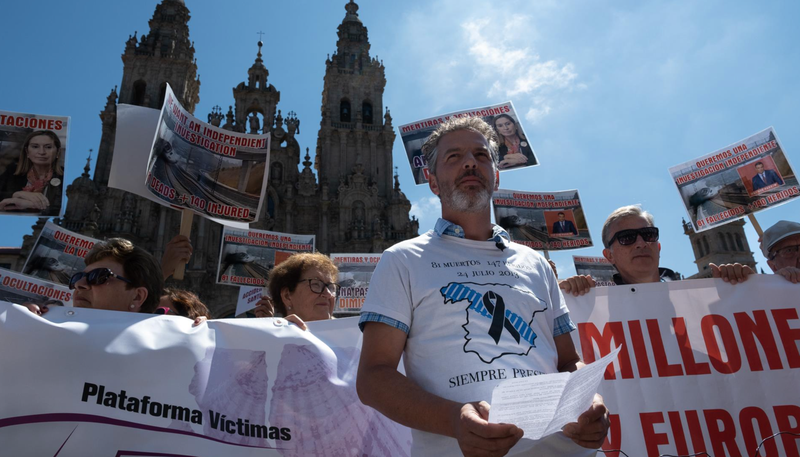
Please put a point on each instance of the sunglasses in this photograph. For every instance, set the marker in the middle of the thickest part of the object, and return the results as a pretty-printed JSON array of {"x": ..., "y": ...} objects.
[
  {"x": 318, "y": 286},
  {"x": 96, "y": 277},
  {"x": 628, "y": 237}
]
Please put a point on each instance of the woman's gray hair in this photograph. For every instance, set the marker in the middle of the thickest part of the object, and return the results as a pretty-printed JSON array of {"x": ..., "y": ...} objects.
[
  {"x": 476, "y": 124},
  {"x": 619, "y": 213}
]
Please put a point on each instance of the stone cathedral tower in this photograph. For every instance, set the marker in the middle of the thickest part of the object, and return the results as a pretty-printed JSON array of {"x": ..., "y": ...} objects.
[
  {"x": 352, "y": 203},
  {"x": 368, "y": 213},
  {"x": 724, "y": 244}
]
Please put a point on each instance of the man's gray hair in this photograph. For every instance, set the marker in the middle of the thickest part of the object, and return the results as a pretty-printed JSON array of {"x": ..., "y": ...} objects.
[
  {"x": 476, "y": 124},
  {"x": 619, "y": 213}
]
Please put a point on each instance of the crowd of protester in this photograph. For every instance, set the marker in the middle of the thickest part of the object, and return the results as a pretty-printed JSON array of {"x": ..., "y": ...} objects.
[{"x": 399, "y": 318}]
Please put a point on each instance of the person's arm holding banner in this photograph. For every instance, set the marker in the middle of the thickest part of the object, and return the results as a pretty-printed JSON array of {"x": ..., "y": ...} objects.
[
  {"x": 733, "y": 273},
  {"x": 382, "y": 387},
  {"x": 577, "y": 285}
]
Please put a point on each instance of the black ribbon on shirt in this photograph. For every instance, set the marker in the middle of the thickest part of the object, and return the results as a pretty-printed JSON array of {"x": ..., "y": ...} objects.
[{"x": 495, "y": 305}]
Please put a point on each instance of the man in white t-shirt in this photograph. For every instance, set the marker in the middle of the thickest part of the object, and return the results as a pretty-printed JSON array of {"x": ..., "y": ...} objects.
[{"x": 466, "y": 308}]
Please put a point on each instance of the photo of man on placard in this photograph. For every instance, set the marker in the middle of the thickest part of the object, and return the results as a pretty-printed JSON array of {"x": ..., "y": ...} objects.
[{"x": 565, "y": 224}]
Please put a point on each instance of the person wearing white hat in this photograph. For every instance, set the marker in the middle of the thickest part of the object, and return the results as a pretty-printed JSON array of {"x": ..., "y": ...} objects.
[{"x": 780, "y": 244}]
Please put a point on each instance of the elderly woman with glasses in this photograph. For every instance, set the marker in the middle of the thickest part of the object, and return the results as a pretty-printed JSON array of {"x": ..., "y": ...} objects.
[{"x": 302, "y": 286}]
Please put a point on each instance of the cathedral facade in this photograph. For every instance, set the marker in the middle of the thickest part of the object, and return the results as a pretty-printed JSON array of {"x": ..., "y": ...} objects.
[{"x": 348, "y": 197}]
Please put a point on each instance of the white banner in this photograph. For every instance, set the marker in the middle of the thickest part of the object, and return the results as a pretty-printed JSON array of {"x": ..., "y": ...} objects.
[
  {"x": 86, "y": 382},
  {"x": 704, "y": 367}
]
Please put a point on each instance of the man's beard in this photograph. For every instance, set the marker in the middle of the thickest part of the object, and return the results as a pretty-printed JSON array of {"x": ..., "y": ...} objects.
[{"x": 473, "y": 201}]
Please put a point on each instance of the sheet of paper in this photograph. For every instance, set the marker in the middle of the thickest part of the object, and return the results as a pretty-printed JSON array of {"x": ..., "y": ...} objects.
[{"x": 541, "y": 405}]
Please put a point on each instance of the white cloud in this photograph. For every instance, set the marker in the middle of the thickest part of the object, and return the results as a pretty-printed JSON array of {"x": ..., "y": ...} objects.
[
  {"x": 427, "y": 210},
  {"x": 511, "y": 67},
  {"x": 461, "y": 53}
]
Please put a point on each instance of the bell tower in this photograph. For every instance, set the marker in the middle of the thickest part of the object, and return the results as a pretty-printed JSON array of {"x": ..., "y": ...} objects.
[
  {"x": 165, "y": 55},
  {"x": 724, "y": 244}
]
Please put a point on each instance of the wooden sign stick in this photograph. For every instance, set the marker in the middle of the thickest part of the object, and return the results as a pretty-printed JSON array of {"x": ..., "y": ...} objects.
[
  {"x": 186, "y": 230},
  {"x": 756, "y": 225}
]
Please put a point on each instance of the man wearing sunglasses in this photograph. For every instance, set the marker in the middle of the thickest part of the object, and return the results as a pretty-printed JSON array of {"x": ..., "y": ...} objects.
[
  {"x": 631, "y": 245},
  {"x": 780, "y": 244},
  {"x": 119, "y": 277},
  {"x": 465, "y": 308}
]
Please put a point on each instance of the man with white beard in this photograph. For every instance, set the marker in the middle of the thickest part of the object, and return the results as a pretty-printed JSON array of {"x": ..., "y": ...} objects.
[{"x": 466, "y": 308}]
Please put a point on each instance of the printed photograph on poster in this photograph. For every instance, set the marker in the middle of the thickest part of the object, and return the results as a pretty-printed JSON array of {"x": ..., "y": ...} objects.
[
  {"x": 514, "y": 146},
  {"x": 58, "y": 254},
  {"x": 599, "y": 268},
  {"x": 549, "y": 221},
  {"x": 247, "y": 256},
  {"x": 355, "y": 272},
  {"x": 746, "y": 177},
  {"x": 19, "y": 289},
  {"x": 212, "y": 171},
  {"x": 33, "y": 151}
]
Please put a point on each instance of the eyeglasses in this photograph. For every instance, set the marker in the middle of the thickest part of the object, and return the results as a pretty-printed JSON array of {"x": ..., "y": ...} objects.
[
  {"x": 96, "y": 277},
  {"x": 317, "y": 286},
  {"x": 789, "y": 252},
  {"x": 628, "y": 237}
]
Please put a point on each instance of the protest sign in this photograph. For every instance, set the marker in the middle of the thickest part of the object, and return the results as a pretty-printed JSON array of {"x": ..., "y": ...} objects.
[
  {"x": 132, "y": 144},
  {"x": 17, "y": 288},
  {"x": 248, "y": 297},
  {"x": 355, "y": 272},
  {"x": 704, "y": 366},
  {"x": 247, "y": 256},
  {"x": 743, "y": 178},
  {"x": 551, "y": 221},
  {"x": 58, "y": 254},
  {"x": 514, "y": 149},
  {"x": 206, "y": 169},
  {"x": 123, "y": 384},
  {"x": 599, "y": 268},
  {"x": 33, "y": 151}
]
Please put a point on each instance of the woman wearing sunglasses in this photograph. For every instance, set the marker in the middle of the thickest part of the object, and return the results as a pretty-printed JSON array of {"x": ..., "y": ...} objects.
[
  {"x": 304, "y": 285},
  {"x": 119, "y": 277}
]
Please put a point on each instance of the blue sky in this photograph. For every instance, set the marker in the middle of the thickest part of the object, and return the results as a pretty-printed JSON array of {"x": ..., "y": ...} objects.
[{"x": 612, "y": 93}]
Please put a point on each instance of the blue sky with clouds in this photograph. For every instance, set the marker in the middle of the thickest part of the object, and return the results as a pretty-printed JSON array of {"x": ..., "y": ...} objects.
[{"x": 612, "y": 93}]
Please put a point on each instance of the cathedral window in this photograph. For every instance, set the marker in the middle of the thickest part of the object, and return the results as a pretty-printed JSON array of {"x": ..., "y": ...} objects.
[
  {"x": 270, "y": 207},
  {"x": 705, "y": 246},
  {"x": 139, "y": 91},
  {"x": 344, "y": 111},
  {"x": 358, "y": 211},
  {"x": 366, "y": 111},
  {"x": 739, "y": 242},
  {"x": 723, "y": 243},
  {"x": 730, "y": 242}
]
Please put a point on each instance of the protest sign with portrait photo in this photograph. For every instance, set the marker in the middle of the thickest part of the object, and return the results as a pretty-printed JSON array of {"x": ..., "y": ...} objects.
[
  {"x": 599, "y": 268},
  {"x": 543, "y": 220},
  {"x": 514, "y": 149},
  {"x": 20, "y": 289},
  {"x": 247, "y": 256},
  {"x": 355, "y": 272},
  {"x": 748, "y": 176},
  {"x": 58, "y": 254},
  {"x": 33, "y": 150},
  {"x": 212, "y": 171}
]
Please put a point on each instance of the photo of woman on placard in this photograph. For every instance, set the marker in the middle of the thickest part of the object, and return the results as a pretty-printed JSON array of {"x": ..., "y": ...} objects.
[
  {"x": 34, "y": 183},
  {"x": 514, "y": 149}
]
